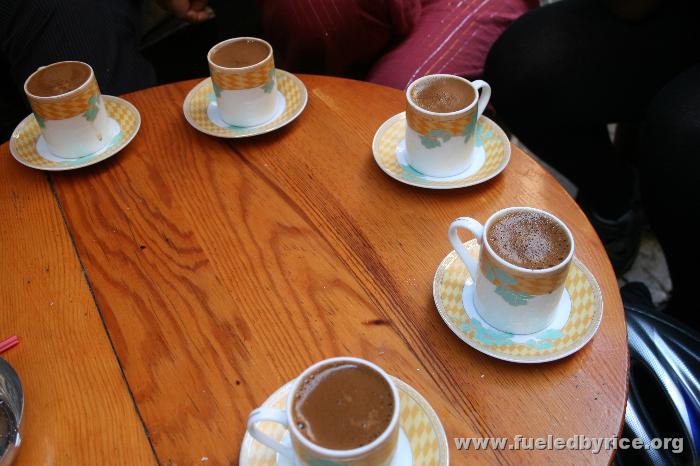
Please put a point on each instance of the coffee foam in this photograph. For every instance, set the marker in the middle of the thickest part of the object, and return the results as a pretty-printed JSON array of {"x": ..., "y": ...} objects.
[
  {"x": 240, "y": 53},
  {"x": 529, "y": 239},
  {"x": 442, "y": 94},
  {"x": 58, "y": 79}
]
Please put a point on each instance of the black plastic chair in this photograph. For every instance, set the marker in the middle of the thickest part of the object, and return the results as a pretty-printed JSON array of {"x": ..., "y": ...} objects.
[{"x": 664, "y": 386}]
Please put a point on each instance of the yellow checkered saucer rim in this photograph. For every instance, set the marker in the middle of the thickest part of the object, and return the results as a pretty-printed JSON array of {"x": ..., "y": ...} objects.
[
  {"x": 24, "y": 138},
  {"x": 584, "y": 319},
  {"x": 418, "y": 420},
  {"x": 195, "y": 108},
  {"x": 392, "y": 132}
]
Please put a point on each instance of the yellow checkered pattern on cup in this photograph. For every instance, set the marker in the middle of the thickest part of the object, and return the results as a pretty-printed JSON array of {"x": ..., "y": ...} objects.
[
  {"x": 542, "y": 283},
  {"x": 198, "y": 99},
  {"x": 584, "y": 319},
  {"x": 418, "y": 421},
  {"x": 235, "y": 80},
  {"x": 496, "y": 148},
  {"x": 423, "y": 124},
  {"x": 62, "y": 108},
  {"x": 23, "y": 141}
]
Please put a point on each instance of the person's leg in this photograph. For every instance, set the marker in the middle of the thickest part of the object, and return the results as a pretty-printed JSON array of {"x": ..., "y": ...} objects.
[
  {"x": 450, "y": 37},
  {"x": 561, "y": 73},
  {"x": 670, "y": 143},
  {"x": 102, "y": 33},
  {"x": 13, "y": 104},
  {"x": 339, "y": 37}
]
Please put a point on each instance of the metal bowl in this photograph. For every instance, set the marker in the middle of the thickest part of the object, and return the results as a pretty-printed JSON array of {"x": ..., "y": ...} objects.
[{"x": 11, "y": 407}]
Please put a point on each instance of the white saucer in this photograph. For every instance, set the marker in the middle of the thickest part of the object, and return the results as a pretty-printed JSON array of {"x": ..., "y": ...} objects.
[
  {"x": 201, "y": 111},
  {"x": 29, "y": 148},
  {"x": 577, "y": 318},
  {"x": 491, "y": 155},
  {"x": 492, "y": 335},
  {"x": 422, "y": 439}
]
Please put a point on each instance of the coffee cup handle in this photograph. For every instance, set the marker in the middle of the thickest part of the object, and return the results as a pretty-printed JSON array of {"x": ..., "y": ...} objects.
[
  {"x": 478, "y": 230},
  {"x": 270, "y": 415},
  {"x": 484, "y": 91}
]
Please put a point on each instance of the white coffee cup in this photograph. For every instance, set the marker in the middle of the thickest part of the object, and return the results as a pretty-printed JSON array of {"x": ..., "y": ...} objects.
[
  {"x": 379, "y": 452},
  {"x": 245, "y": 96},
  {"x": 74, "y": 123},
  {"x": 442, "y": 144},
  {"x": 509, "y": 297}
]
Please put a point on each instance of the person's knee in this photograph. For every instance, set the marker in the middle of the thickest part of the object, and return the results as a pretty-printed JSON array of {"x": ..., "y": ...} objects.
[
  {"x": 669, "y": 144},
  {"x": 533, "y": 57},
  {"x": 671, "y": 129},
  {"x": 506, "y": 53},
  {"x": 519, "y": 63}
]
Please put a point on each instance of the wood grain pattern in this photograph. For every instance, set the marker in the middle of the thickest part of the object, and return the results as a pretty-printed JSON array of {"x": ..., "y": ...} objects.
[
  {"x": 224, "y": 268},
  {"x": 78, "y": 409}
]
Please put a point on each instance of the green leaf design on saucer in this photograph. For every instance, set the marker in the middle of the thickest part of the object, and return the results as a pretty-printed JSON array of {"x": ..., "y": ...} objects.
[
  {"x": 539, "y": 344},
  {"x": 93, "y": 107},
  {"x": 490, "y": 336},
  {"x": 487, "y": 336},
  {"x": 270, "y": 81},
  {"x": 550, "y": 334}
]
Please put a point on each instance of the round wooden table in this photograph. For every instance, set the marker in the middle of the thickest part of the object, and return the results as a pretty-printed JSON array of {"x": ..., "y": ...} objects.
[{"x": 162, "y": 295}]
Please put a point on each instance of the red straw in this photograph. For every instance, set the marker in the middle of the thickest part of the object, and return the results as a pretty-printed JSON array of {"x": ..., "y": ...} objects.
[{"x": 8, "y": 343}]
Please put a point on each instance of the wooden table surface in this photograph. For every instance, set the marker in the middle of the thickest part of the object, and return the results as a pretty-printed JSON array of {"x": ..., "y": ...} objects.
[{"x": 162, "y": 295}]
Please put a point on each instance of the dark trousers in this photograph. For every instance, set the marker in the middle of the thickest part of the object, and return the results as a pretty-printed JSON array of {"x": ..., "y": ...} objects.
[
  {"x": 560, "y": 73},
  {"x": 34, "y": 33}
]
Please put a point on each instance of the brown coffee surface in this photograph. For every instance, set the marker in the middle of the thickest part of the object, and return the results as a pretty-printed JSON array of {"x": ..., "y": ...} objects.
[
  {"x": 442, "y": 94},
  {"x": 240, "y": 53},
  {"x": 58, "y": 79},
  {"x": 343, "y": 406},
  {"x": 529, "y": 239}
]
